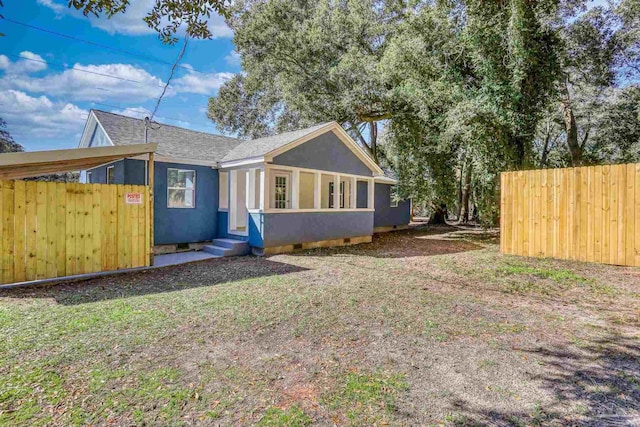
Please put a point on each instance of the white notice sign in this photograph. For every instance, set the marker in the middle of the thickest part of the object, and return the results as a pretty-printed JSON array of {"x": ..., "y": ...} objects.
[{"x": 133, "y": 198}]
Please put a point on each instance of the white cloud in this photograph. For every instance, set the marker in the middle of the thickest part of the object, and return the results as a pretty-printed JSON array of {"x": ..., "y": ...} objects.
[
  {"x": 96, "y": 84},
  {"x": 36, "y": 118},
  {"x": 115, "y": 82},
  {"x": 29, "y": 63},
  {"x": 135, "y": 112},
  {"x": 56, "y": 7},
  {"x": 201, "y": 83},
  {"x": 131, "y": 21},
  {"x": 233, "y": 59}
]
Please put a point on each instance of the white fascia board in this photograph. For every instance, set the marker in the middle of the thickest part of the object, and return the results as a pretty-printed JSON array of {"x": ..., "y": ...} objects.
[
  {"x": 385, "y": 180},
  {"x": 88, "y": 124},
  {"x": 242, "y": 162}
]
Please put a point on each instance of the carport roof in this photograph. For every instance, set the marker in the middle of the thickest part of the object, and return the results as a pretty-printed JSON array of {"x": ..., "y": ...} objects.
[{"x": 36, "y": 163}]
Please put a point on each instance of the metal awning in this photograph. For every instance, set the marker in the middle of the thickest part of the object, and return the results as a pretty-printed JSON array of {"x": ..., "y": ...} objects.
[{"x": 36, "y": 163}]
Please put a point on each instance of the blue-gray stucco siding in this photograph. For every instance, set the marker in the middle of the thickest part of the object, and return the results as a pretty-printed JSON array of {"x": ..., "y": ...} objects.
[
  {"x": 172, "y": 225},
  {"x": 325, "y": 152},
  {"x": 183, "y": 225},
  {"x": 385, "y": 215},
  {"x": 278, "y": 229}
]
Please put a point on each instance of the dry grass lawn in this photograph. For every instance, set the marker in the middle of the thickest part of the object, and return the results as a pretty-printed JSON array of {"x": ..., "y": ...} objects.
[{"x": 430, "y": 326}]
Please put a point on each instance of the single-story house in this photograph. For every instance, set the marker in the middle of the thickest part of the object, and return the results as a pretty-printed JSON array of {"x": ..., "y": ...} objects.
[{"x": 275, "y": 194}]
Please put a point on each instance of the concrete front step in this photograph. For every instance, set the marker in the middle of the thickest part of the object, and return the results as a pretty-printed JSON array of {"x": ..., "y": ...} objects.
[{"x": 227, "y": 247}]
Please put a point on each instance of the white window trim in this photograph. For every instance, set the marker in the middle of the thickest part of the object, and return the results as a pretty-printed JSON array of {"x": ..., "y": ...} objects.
[
  {"x": 182, "y": 188},
  {"x": 328, "y": 210},
  {"x": 288, "y": 190},
  {"x": 107, "y": 176},
  {"x": 89, "y": 178},
  {"x": 392, "y": 201},
  {"x": 267, "y": 184}
]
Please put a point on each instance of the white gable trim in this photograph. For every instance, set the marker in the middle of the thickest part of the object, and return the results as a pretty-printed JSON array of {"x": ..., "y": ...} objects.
[
  {"x": 341, "y": 134},
  {"x": 385, "y": 180},
  {"x": 87, "y": 132}
]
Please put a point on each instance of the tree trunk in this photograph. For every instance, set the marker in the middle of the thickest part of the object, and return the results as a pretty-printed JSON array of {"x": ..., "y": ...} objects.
[
  {"x": 374, "y": 140},
  {"x": 571, "y": 129},
  {"x": 466, "y": 194},
  {"x": 439, "y": 215},
  {"x": 459, "y": 207}
]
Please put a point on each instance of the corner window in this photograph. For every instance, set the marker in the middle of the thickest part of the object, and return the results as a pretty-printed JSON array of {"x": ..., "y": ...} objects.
[
  {"x": 181, "y": 188},
  {"x": 111, "y": 177},
  {"x": 393, "y": 195}
]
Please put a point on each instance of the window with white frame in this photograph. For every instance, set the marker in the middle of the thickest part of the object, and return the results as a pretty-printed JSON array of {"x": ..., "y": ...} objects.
[
  {"x": 111, "y": 175},
  {"x": 281, "y": 191},
  {"x": 393, "y": 195},
  {"x": 223, "y": 194},
  {"x": 181, "y": 188},
  {"x": 331, "y": 195},
  {"x": 88, "y": 177}
]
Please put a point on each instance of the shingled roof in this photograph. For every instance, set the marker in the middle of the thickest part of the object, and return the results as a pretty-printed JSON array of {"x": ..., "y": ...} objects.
[
  {"x": 172, "y": 141},
  {"x": 261, "y": 146}
]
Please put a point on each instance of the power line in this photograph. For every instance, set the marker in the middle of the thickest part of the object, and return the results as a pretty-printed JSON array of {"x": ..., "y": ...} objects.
[
  {"x": 82, "y": 71},
  {"x": 173, "y": 70},
  {"x": 135, "y": 109},
  {"x": 100, "y": 45}
]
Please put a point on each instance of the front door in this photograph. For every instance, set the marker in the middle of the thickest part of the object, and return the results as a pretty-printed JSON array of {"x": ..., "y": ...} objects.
[{"x": 281, "y": 198}]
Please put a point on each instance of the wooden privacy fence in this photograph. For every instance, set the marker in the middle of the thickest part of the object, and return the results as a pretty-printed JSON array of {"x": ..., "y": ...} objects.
[
  {"x": 586, "y": 213},
  {"x": 54, "y": 229}
]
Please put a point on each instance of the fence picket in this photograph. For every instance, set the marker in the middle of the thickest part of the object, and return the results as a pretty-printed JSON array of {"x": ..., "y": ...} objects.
[
  {"x": 587, "y": 213},
  {"x": 55, "y": 229}
]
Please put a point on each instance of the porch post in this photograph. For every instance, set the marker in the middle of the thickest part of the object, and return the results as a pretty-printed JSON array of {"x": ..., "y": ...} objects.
[
  {"x": 264, "y": 188},
  {"x": 336, "y": 191},
  {"x": 353, "y": 199},
  {"x": 233, "y": 196},
  {"x": 251, "y": 189},
  {"x": 295, "y": 190},
  {"x": 317, "y": 190},
  {"x": 370, "y": 192},
  {"x": 151, "y": 181}
]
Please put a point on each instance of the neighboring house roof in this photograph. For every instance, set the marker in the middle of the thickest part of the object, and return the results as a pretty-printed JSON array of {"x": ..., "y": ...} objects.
[
  {"x": 173, "y": 142},
  {"x": 261, "y": 146}
]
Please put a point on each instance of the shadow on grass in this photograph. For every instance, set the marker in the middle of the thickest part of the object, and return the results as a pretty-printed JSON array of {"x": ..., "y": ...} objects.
[
  {"x": 598, "y": 383},
  {"x": 417, "y": 241},
  {"x": 160, "y": 280}
]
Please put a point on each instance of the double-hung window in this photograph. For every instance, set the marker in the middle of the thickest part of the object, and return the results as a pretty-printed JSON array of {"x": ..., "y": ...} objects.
[
  {"x": 341, "y": 195},
  {"x": 111, "y": 176},
  {"x": 393, "y": 195},
  {"x": 181, "y": 188}
]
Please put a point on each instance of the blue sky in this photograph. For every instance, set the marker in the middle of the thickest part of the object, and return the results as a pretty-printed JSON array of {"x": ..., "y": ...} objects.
[{"x": 45, "y": 104}]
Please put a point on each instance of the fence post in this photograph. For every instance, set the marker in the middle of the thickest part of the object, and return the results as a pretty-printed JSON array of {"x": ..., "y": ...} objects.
[{"x": 151, "y": 181}]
